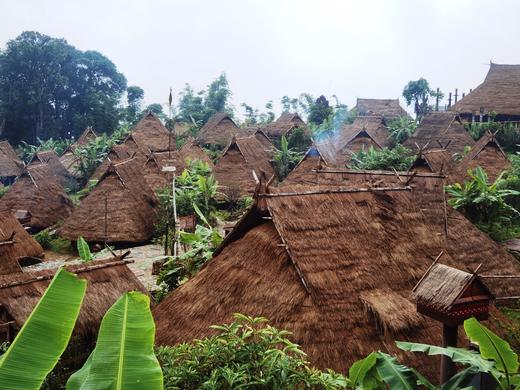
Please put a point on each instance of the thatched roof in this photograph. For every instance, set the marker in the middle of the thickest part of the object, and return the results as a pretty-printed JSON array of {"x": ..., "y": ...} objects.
[
  {"x": 305, "y": 170},
  {"x": 500, "y": 92},
  {"x": 440, "y": 130},
  {"x": 56, "y": 168},
  {"x": 15, "y": 244},
  {"x": 387, "y": 108},
  {"x": 68, "y": 159},
  {"x": 487, "y": 154},
  {"x": 150, "y": 134},
  {"x": 218, "y": 130},
  {"x": 433, "y": 160},
  {"x": 120, "y": 208},
  {"x": 153, "y": 173},
  {"x": 10, "y": 164},
  {"x": 107, "y": 281},
  {"x": 41, "y": 194},
  {"x": 117, "y": 154},
  {"x": 242, "y": 157},
  {"x": 330, "y": 264},
  {"x": 284, "y": 124}
]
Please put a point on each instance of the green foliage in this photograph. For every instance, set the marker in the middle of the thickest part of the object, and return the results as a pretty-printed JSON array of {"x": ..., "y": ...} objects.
[
  {"x": 508, "y": 134},
  {"x": 319, "y": 111},
  {"x": 48, "y": 88},
  {"x": 83, "y": 250},
  {"x": 333, "y": 123},
  {"x": 484, "y": 203},
  {"x": 3, "y": 190},
  {"x": 298, "y": 140},
  {"x": 44, "y": 238},
  {"x": 50, "y": 241},
  {"x": 28, "y": 150},
  {"x": 247, "y": 353},
  {"x": 401, "y": 129},
  {"x": 47, "y": 331},
  {"x": 397, "y": 158},
  {"x": 419, "y": 94},
  {"x": 134, "y": 98},
  {"x": 285, "y": 159},
  {"x": 124, "y": 357}
]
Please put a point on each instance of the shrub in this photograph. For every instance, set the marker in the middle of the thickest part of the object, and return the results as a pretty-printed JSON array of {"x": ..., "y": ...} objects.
[
  {"x": 44, "y": 238},
  {"x": 397, "y": 158},
  {"x": 401, "y": 129}
]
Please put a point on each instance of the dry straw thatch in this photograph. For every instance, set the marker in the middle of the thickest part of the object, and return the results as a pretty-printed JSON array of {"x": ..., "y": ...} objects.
[
  {"x": 440, "y": 130},
  {"x": 283, "y": 126},
  {"x": 239, "y": 160},
  {"x": 56, "y": 168},
  {"x": 334, "y": 263},
  {"x": 10, "y": 165},
  {"x": 500, "y": 92},
  {"x": 117, "y": 154},
  {"x": 218, "y": 130},
  {"x": 387, "y": 108},
  {"x": 150, "y": 134},
  {"x": 68, "y": 159},
  {"x": 39, "y": 192},
  {"x": 120, "y": 208},
  {"x": 433, "y": 160},
  {"x": 15, "y": 244}
]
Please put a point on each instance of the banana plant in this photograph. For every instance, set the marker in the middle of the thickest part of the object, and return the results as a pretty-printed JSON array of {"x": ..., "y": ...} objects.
[
  {"x": 124, "y": 357},
  {"x": 84, "y": 250},
  {"x": 44, "y": 336}
]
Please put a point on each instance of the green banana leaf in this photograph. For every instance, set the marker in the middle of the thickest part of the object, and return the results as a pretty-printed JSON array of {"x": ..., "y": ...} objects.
[
  {"x": 491, "y": 346},
  {"x": 124, "y": 357},
  {"x": 461, "y": 380},
  {"x": 395, "y": 375},
  {"x": 45, "y": 335},
  {"x": 84, "y": 250},
  {"x": 359, "y": 369}
]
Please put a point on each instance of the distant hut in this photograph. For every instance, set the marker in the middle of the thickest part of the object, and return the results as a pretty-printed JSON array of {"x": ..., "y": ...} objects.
[
  {"x": 150, "y": 134},
  {"x": 39, "y": 193},
  {"x": 68, "y": 159},
  {"x": 329, "y": 265},
  {"x": 107, "y": 280},
  {"x": 240, "y": 162},
  {"x": 56, "y": 168},
  {"x": 499, "y": 93},
  {"x": 433, "y": 160},
  {"x": 440, "y": 130},
  {"x": 305, "y": 172},
  {"x": 120, "y": 208},
  {"x": 153, "y": 173},
  {"x": 487, "y": 154},
  {"x": 190, "y": 151},
  {"x": 15, "y": 245},
  {"x": 389, "y": 109},
  {"x": 10, "y": 165},
  {"x": 284, "y": 126},
  {"x": 117, "y": 154},
  {"x": 218, "y": 130}
]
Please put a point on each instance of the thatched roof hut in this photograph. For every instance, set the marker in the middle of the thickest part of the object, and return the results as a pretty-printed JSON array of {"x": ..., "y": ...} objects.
[
  {"x": 15, "y": 244},
  {"x": 218, "y": 130},
  {"x": 56, "y": 168},
  {"x": 120, "y": 208},
  {"x": 388, "y": 108},
  {"x": 68, "y": 159},
  {"x": 40, "y": 193},
  {"x": 283, "y": 126},
  {"x": 10, "y": 165},
  {"x": 440, "y": 130},
  {"x": 329, "y": 265},
  {"x": 304, "y": 173},
  {"x": 499, "y": 93},
  {"x": 107, "y": 281},
  {"x": 487, "y": 154},
  {"x": 117, "y": 154},
  {"x": 433, "y": 160},
  {"x": 153, "y": 173},
  {"x": 243, "y": 159},
  {"x": 150, "y": 134}
]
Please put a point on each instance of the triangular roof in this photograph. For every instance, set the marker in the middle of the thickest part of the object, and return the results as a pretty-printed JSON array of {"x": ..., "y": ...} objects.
[
  {"x": 500, "y": 92},
  {"x": 219, "y": 130},
  {"x": 284, "y": 124},
  {"x": 440, "y": 130},
  {"x": 150, "y": 134},
  {"x": 10, "y": 164},
  {"x": 56, "y": 168},
  {"x": 304, "y": 170},
  {"x": 118, "y": 153},
  {"x": 387, "y": 108},
  {"x": 307, "y": 260},
  {"x": 41, "y": 194},
  {"x": 433, "y": 160},
  {"x": 120, "y": 208}
]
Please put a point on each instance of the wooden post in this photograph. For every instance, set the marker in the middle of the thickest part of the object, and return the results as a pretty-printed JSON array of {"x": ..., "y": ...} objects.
[
  {"x": 449, "y": 339},
  {"x": 437, "y": 101},
  {"x": 449, "y": 100},
  {"x": 456, "y": 94},
  {"x": 463, "y": 95}
]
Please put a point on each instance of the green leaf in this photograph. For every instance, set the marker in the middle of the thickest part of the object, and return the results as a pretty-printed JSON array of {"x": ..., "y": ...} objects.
[
  {"x": 462, "y": 378},
  {"x": 359, "y": 369},
  {"x": 491, "y": 346},
  {"x": 394, "y": 374},
  {"x": 124, "y": 357},
  {"x": 84, "y": 250},
  {"x": 45, "y": 335}
]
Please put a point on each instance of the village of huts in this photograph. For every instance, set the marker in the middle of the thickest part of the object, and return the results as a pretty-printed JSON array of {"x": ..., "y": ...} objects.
[{"x": 371, "y": 243}]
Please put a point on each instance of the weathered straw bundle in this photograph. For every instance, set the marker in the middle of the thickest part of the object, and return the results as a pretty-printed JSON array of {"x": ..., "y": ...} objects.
[
  {"x": 287, "y": 122},
  {"x": 10, "y": 165},
  {"x": 387, "y": 108}
]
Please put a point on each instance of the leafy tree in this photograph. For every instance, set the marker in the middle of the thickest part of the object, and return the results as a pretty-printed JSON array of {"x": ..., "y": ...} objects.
[
  {"x": 251, "y": 114},
  {"x": 134, "y": 99},
  {"x": 285, "y": 159},
  {"x": 217, "y": 96},
  {"x": 289, "y": 104},
  {"x": 48, "y": 88},
  {"x": 319, "y": 111},
  {"x": 28, "y": 150},
  {"x": 419, "y": 93},
  {"x": 401, "y": 129},
  {"x": 330, "y": 126},
  {"x": 191, "y": 106},
  {"x": 397, "y": 158}
]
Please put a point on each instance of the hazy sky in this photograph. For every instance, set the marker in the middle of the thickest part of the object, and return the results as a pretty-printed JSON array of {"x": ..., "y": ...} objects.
[{"x": 270, "y": 48}]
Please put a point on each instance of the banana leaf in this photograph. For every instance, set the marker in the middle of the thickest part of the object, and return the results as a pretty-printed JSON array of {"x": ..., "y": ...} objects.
[
  {"x": 395, "y": 375},
  {"x": 124, "y": 357},
  {"x": 44, "y": 336},
  {"x": 359, "y": 369},
  {"x": 83, "y": 250}
]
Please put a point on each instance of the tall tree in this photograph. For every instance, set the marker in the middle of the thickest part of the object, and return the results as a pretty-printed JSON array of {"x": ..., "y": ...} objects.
[
  {"x": 419, "y": 93},
  {"x": 134, "y": 99},
  {"x": 319, "y": 111},
  {"x": 217, "y": 96},
  {"x": 48, "y": 88}
]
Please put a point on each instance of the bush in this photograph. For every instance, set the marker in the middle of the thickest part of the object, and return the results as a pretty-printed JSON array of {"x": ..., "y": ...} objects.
[
  {"x": 44, "y": 238},
  {"x": 247, "y": 353},
  {"x": 397, "y": 158},
  {"x": 401, "y": 129}
]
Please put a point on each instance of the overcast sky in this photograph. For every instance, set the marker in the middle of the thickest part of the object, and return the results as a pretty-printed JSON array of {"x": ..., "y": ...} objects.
[{"x": 271, "y": 48}]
